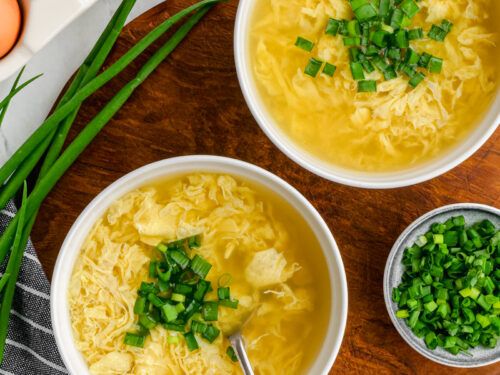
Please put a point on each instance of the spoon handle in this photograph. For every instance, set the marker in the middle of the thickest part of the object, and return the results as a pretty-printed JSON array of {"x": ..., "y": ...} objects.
[{"x": 239, "y": 347}]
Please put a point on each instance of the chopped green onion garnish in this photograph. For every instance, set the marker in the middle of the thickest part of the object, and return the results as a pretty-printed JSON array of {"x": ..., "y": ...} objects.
[
  {"x": 447, "y": 294},
  {"x": 332, "y": 27},
  {"x": 353, "y": 28},
  {"x": 410, "y": 8},
  {"x": 200, "y": 266},
  {"x": 233, "y": 304},
  {"x": 210, "y": 311},
  {"x": 180, "y": 258},
  {"x": 401, "y": 39},
  {"x": 152, "y": 269},
  {"x": 223, "y": 293},
  {"x": 156, "y": 301},
  {"x": 231, "y": 354},
  {"x": 313, "y": 67},
  {"x": 201, "y": 290},
  {"x": 367, "y": 66},
  {"x": 175, "y": 327},
  {"x": 211, "y": 333},
  {"x": 329, "y": 69},
  {"x": 178, "y": 297},
  {"x": 198, "y": 327},
  {"x": 357, "y": 71},
  {"x": 440, "y": 32},
  {"x": 415, "y": 34},
  {"x": 367, "y": 86},
  {"x": 384, "y": 8},
  {"x": 147, "y": 321},
  {"x": 140, "y": 306},
  {"x": 194, "y": 242},
  {"x": 389, "y": 73},
  {"x": 365, "y": 12},
  {"x": 133, "y": 339},
  {"x": 183, "y": 289},
  {"x": 304, "y": 44},
  {"x": 411, "y": 57},
  {"x": 381, "y": 30},
  {"x": 394, "y": 53},
  {"x": 379, "y": 38},
  {"x": 397, "y": 18},
  {"x": 191, "y": 342},
  {"x": 354, "y": 54},
  {"x": 170, "y": 312},
  {"x": 173, "y": 339},
  {"x": 352, "y": 41},
  {"x": 416, "y": 79},
  {"x": 435, "y": 66}
]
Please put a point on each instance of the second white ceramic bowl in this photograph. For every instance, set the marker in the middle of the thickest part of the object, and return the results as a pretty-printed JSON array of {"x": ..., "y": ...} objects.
[
  {"x": 191, "y": 164},
  {"x": 407, "y": 177}
]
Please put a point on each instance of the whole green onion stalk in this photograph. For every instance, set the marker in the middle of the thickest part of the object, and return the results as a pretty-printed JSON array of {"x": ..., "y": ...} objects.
[{"x": 11, "y": 273}]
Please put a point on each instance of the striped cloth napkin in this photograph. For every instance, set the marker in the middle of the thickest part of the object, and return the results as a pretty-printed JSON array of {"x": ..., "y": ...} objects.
[{"x": 31, "y": 348}]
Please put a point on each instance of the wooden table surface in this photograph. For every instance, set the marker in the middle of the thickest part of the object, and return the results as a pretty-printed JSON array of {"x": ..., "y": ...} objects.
[{"x": 193, "y": 105}]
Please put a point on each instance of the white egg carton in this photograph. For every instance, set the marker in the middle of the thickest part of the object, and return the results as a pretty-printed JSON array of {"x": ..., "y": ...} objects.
[{"x": 42, "y": 21}]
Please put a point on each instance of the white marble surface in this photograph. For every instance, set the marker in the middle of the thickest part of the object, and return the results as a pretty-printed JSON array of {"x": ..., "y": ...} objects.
[{"x": 57, "y": 61}]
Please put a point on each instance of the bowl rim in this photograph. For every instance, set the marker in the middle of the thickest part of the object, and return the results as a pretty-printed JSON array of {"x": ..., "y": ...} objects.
[
  {"x": 397, "y": 248},
  {"x": 70, "y": 248},
  {"x": 386, "y": 180}
]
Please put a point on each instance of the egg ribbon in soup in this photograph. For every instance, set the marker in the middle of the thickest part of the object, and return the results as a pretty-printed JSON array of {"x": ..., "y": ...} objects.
[
  {"x": 273, "y": 257},
  {"x": 398, "y": 126}
]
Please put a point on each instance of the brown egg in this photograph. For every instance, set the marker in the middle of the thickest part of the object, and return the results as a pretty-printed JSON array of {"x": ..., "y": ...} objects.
[{"x": 10, "y": 24}]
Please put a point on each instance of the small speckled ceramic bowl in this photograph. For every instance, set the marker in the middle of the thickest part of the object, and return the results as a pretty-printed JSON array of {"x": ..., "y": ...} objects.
[{"x": 394, "y": 271}]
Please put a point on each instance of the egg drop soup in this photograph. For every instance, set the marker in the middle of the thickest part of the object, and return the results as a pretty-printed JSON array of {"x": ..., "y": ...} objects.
[
  {"x": 396, "y": 128},
  {"x": 275, "y": 262}
]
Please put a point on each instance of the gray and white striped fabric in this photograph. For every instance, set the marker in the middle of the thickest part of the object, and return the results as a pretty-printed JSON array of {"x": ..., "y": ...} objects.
[{"x": 31, "y": 348}]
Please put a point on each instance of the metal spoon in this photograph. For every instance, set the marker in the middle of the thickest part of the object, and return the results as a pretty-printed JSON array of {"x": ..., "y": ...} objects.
[
  {"x": 238, "y": 344},
  {"x": 233, "y": 333}
]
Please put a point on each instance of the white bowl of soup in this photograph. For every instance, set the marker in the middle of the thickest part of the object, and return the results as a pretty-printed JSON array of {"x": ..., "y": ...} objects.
[
  {"x": 396, "y": 136},
  {"x": 263, "y": 240}
]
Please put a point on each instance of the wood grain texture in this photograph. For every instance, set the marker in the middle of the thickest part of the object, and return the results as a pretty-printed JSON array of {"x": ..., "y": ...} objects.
[{"x": 193, "y": 105}]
